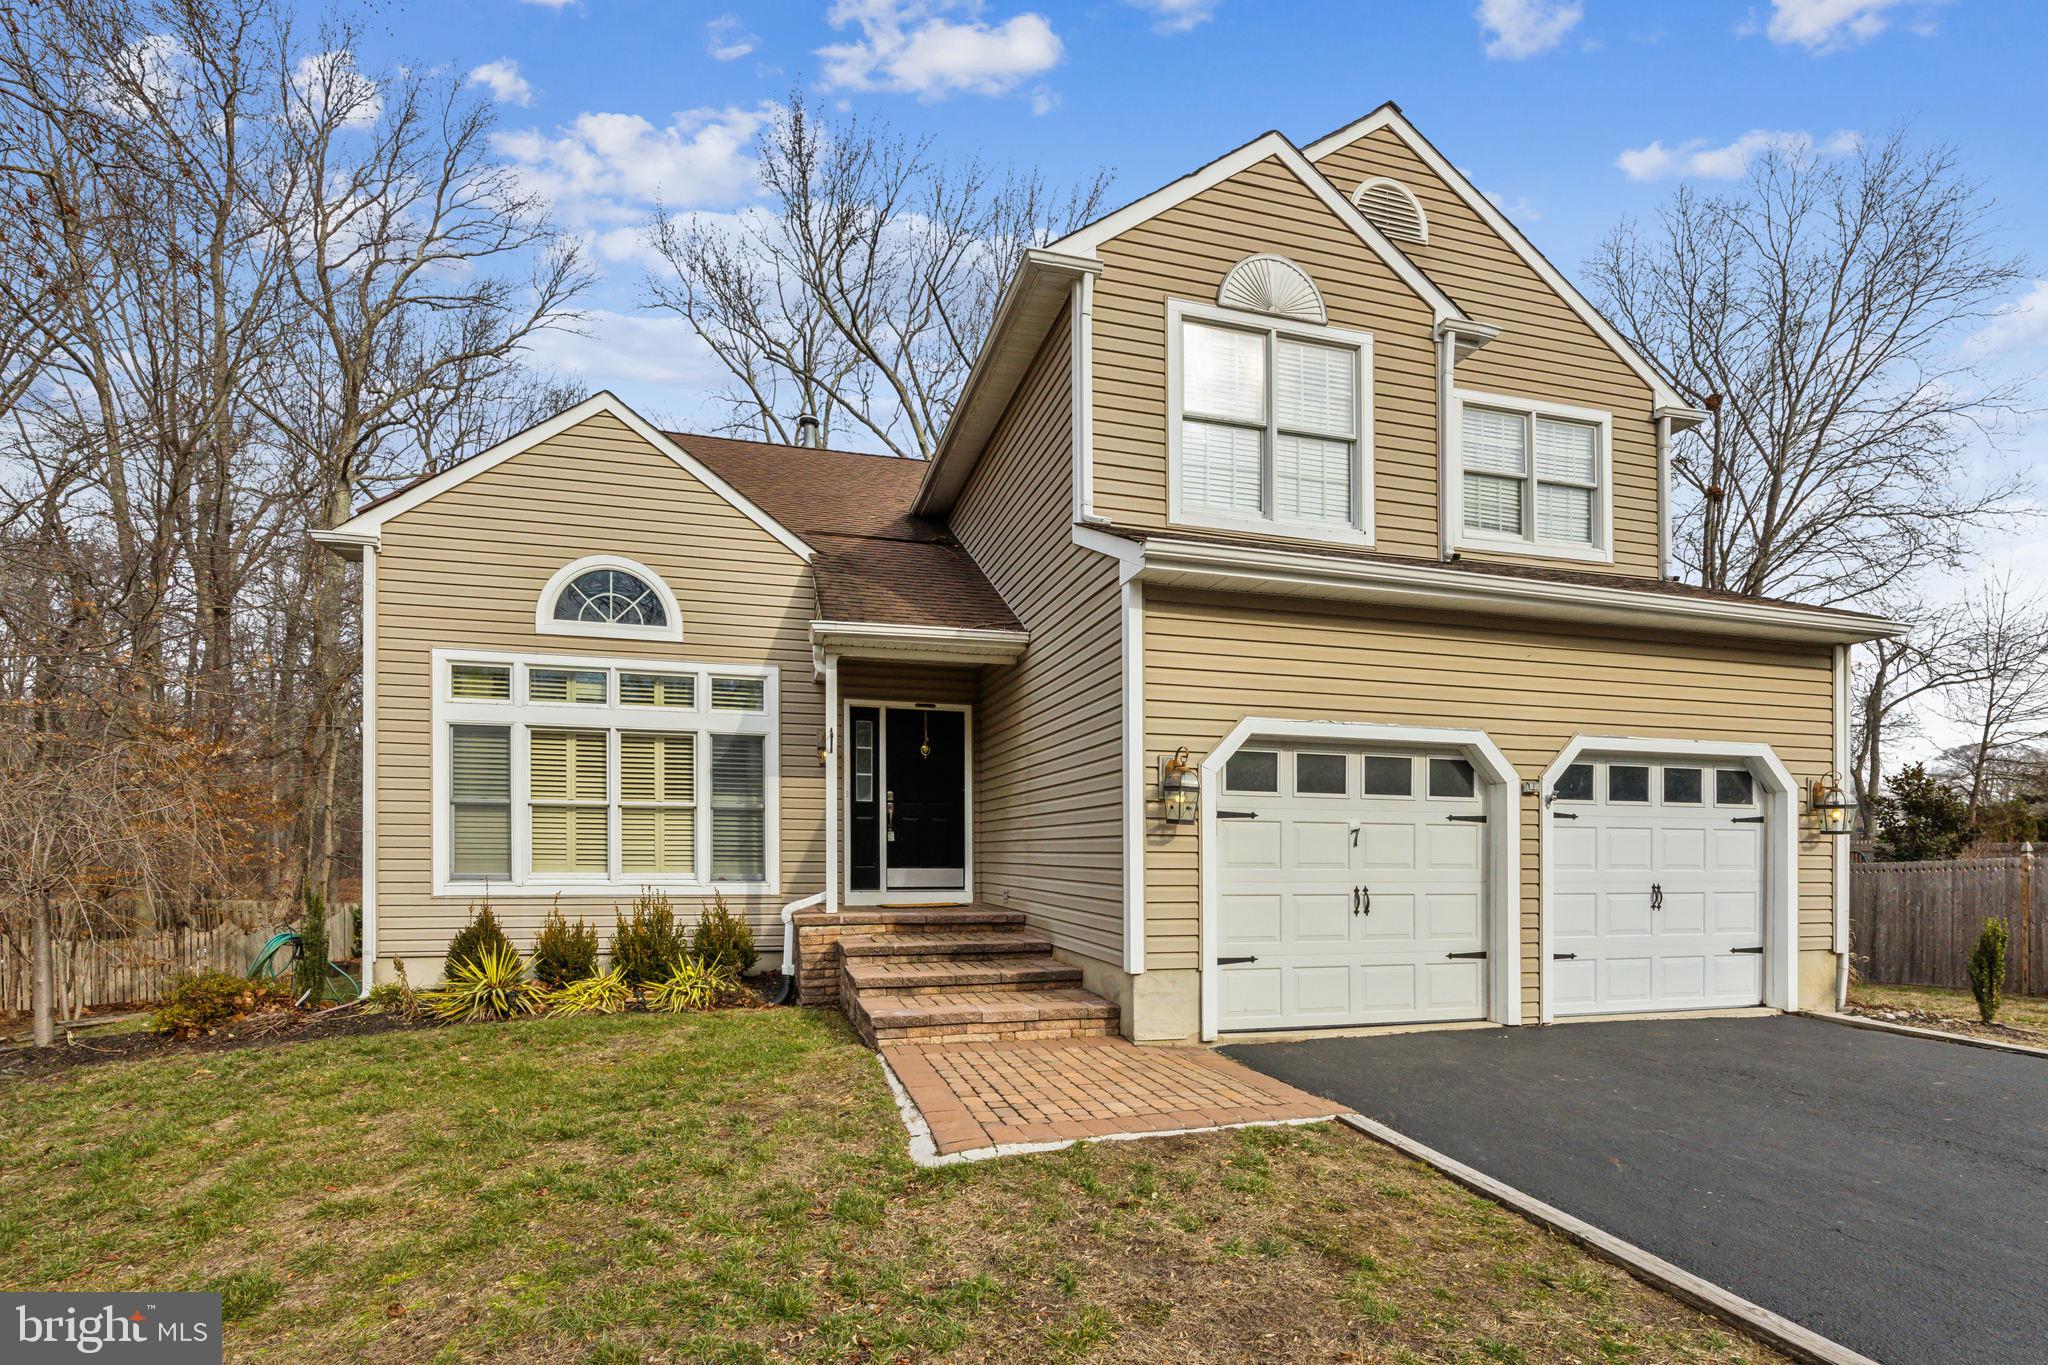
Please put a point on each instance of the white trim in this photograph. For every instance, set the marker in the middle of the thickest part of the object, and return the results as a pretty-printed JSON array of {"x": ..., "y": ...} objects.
[
  {"x": 1080, "y": 378},
  {"x": 1463, "y": 537},
  {"x": 1319, "y": 318},
  {"x": 1305, "y": 573},
  {"x": 1780, "y": 805},
  {"x": 832, "y": 790},
  {"x": 1421, "y": 216},
  {"x": 1133, "y": 619},
  {"x": 1089, "y": 239},
  {"x": 368, "y": 844},
  {"x": 370, "y": 521},
  {"x": 1501, "y": 793},
  {"x": 1128, "y": 554},
  {"x": 545, "y": 622},
  {"x": 523, "y": 716},
  {"x": 936, "y": 644},
  {"x": 1360, "y": 531},
  {"x": 886, "y": 895},
  {"x": 1386, "y": 116}
]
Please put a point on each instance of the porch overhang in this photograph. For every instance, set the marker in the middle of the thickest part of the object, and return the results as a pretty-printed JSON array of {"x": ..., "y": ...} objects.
[
  {"x": 916, "y": 644},
  {"x": 1200, "y": 565}
]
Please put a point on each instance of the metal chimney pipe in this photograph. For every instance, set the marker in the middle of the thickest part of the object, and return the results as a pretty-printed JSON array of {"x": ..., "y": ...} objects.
[{"x": 807, "y": 431}]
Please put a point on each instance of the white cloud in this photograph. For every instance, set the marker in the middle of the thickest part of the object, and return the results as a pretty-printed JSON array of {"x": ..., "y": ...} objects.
[
  {"x": 1728, "y": 162},
  {"x": 1521, "y": 210},
  {"x": 608, "y": 169},
  {"x": 333, "y": 86},
  {"x": 549, "y": 4},
  {"x": 1177, "y": 16},
  {"x": 1523, "y": 28},
  {"x": 1830, "y": 25},
  {"x": 611, "y": 347},
  {"x": 2021, "y": 325},
  {"x": 910, "y": 47},
  {"x": 727, "y": 40},
  {"x": 506, "y": 85}
]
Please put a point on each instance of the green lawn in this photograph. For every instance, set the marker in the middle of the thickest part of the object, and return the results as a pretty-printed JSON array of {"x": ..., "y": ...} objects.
[
  {"x": 2021, "y": 1019},
  {"x": 734, "y": 1187}
]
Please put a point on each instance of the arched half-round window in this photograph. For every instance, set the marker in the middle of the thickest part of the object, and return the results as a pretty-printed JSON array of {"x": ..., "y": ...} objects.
[{"x": 608, "y": 597}]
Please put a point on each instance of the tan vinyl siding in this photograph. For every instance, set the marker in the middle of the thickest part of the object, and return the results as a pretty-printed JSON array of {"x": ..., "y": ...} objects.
[
  {"x": 876, "y": 680},
  {"x": 1545, "y": 350},
  {"x": 465, "y": 570},
  {"x": 1184, "y": 253},
  {"x": 1210, "y": 661},
  {"x": 1048, "y": 734}
]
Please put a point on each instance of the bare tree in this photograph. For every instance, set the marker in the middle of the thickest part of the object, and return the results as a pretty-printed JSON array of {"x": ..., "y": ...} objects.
[
  {"x": 1815, "y": 313},
  {"x": 2003, "y": 703},
  {"x": 1894, "y": 679},
  {"x": 862, "y": 290},
  {"x": 420, "y": 266}
]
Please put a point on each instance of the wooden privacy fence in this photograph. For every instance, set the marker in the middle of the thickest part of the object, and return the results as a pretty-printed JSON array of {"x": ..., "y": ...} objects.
[
  {"x": 120, "y": 969},
  {"x": 1914, "y": 924}
]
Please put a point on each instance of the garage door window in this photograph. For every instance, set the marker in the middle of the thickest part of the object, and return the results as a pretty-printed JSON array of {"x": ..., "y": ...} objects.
[
  {"x": 1682, "y": 787},
  {"x": 1320, "y": 775},
  {"x": 1628, "y": 782},
  {"x": 1734, "y": 787},
  {"x": 1252, "y": 770},
  {"x": 1576, "y": 784},
  {"x": 1389, "y": 776},
  {"x": 1450, "y": 777}
]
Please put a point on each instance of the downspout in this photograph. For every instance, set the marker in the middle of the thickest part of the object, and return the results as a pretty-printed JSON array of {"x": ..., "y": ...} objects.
[
  {"x": 829, "y": 897},
  {"x": 1081, "y": 370},
  {"x": 1446, "y": 373},
  {"x": 369, "y": 835},
  {"x": 1663, "y": 497},
  {"x": 1841, "y": 841}
]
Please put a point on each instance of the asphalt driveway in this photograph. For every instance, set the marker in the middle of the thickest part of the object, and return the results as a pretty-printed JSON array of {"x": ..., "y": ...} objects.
[{"x": 1885, "y": 1191}]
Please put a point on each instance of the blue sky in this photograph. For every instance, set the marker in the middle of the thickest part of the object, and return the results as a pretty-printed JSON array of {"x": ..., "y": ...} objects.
[{"x": 1572, "y": 113}]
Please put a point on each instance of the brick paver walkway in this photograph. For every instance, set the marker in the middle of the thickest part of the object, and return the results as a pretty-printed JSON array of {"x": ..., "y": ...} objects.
[{"x": 976, "y": 1095}]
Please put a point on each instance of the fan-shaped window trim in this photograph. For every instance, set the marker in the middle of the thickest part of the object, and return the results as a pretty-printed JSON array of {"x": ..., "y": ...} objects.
[
  {"x": 1275, "y": 286},
  {"x": 546, "y": 622},
  {"x": 1421, "y": 233}
]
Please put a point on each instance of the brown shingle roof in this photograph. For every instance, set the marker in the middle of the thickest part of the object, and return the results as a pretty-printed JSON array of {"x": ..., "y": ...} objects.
[{"x": 875, "y": 560}]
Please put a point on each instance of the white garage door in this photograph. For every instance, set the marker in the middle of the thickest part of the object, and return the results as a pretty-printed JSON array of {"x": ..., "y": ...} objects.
[
  {"x": 1657, "y": 901},
  {"x": 1351, "y": 888}
]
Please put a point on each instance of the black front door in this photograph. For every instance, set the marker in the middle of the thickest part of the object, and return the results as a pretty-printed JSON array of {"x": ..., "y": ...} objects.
[{"x": 924, "y": 799}]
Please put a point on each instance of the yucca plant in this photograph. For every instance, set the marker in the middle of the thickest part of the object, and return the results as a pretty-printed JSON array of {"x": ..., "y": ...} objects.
[
  {"x": 608, "y": 992},
  {"x": 493, "y": 985},
  {"x": 693, "y": 985}
]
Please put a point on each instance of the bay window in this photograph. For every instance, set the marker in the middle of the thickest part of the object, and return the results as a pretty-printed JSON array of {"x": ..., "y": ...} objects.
[
  {"x": 1532, "y": 477},
  {"x": 1271, "y": 428},
  {"x": 558, "y": 776}
]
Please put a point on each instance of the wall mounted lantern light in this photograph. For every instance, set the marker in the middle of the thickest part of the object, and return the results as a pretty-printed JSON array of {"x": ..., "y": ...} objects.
[
  {"x": 1180, "y": 787},
  {"x": 1833, "y": 811}
]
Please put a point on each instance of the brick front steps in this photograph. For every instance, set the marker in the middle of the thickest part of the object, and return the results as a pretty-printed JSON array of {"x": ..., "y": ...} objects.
[{"x": 944, "y": 975}]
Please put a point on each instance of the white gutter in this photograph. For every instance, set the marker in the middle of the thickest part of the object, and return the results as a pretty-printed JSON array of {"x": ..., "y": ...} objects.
[
  {"x": 937, "y": 644},
  {"x": 789, "y": 930},
  {"x": 1203, "y": 564}
]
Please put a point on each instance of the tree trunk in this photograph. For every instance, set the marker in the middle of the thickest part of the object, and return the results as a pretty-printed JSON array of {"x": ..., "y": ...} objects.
[{"x": 45, "y": 969}]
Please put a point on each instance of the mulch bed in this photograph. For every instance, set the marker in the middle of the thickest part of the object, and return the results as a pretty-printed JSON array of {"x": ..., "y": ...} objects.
[{"x": 267, "y": 1030}]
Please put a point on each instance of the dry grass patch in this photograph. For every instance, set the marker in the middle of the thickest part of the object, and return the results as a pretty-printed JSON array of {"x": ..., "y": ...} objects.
[
  {"x": 2021, "y": 1019},
  {"x": 734, "y": 1187}
]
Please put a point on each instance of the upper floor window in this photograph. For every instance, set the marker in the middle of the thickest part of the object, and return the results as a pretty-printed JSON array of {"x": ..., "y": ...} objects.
[
  {"x": 1271, "y": 424},
  {"x": 1533, "y": 477},
  {"x": 609, "y": 597}
]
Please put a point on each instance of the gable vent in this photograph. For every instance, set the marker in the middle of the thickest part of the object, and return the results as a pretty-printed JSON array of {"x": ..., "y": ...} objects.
[
  {"x": 1272, "y": 284},
  {"x": 1388, "y": 206}
]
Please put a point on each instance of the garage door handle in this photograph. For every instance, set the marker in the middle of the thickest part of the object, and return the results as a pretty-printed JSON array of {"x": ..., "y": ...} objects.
[
  {"x": 1749, "y": 819},
  {"x": 1564, "y": 957},
  {"x": 1480, "y": 953},
  {"x": 1237, "y": 815},
  {"x": 1233, "y": 961},
  {"x": 1758, "y": 949}
]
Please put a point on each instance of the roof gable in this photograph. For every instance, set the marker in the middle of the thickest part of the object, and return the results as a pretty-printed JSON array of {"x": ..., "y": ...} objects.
[
  {"x": 366, "y": 526},
  {"x": 1390, "y": 118}
]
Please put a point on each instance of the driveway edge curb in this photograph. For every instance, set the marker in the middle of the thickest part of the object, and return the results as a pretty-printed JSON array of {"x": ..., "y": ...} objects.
[
  {"x": 1938, "y": 1035},
  {"x": 1773, "y": 1329}
]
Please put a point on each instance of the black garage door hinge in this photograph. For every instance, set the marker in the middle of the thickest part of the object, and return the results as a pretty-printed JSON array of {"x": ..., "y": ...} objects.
[
  {"x": 1468, "y": 819},
  {"x": 1757, "y": 949},
  {"x": 1237, "y": 815},
  {"x": 1564, "y": 957},
  {"x": 1749, "y": 819},
  {"x": 1481, "y": 953},
  {"x": 1233, "y": 961}
]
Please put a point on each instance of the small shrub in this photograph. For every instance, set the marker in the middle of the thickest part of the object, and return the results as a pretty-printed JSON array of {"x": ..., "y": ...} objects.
[
  {"x": 476, "y": 938},
  {"x": 564, "y": 952},
  {"x": 648, "y": 946},
  {"x": 694, "y": 985},
  {"x": 310, "y": 974},
  {"x": 723, "y": 937},
  {"x": 606, "y": 992},
  {"x": 1987, "y": 968},
  {"x": 392, "y": 997},
  {"x": 494, "y": 986},
  {"x": 203, "y": 1002}
]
